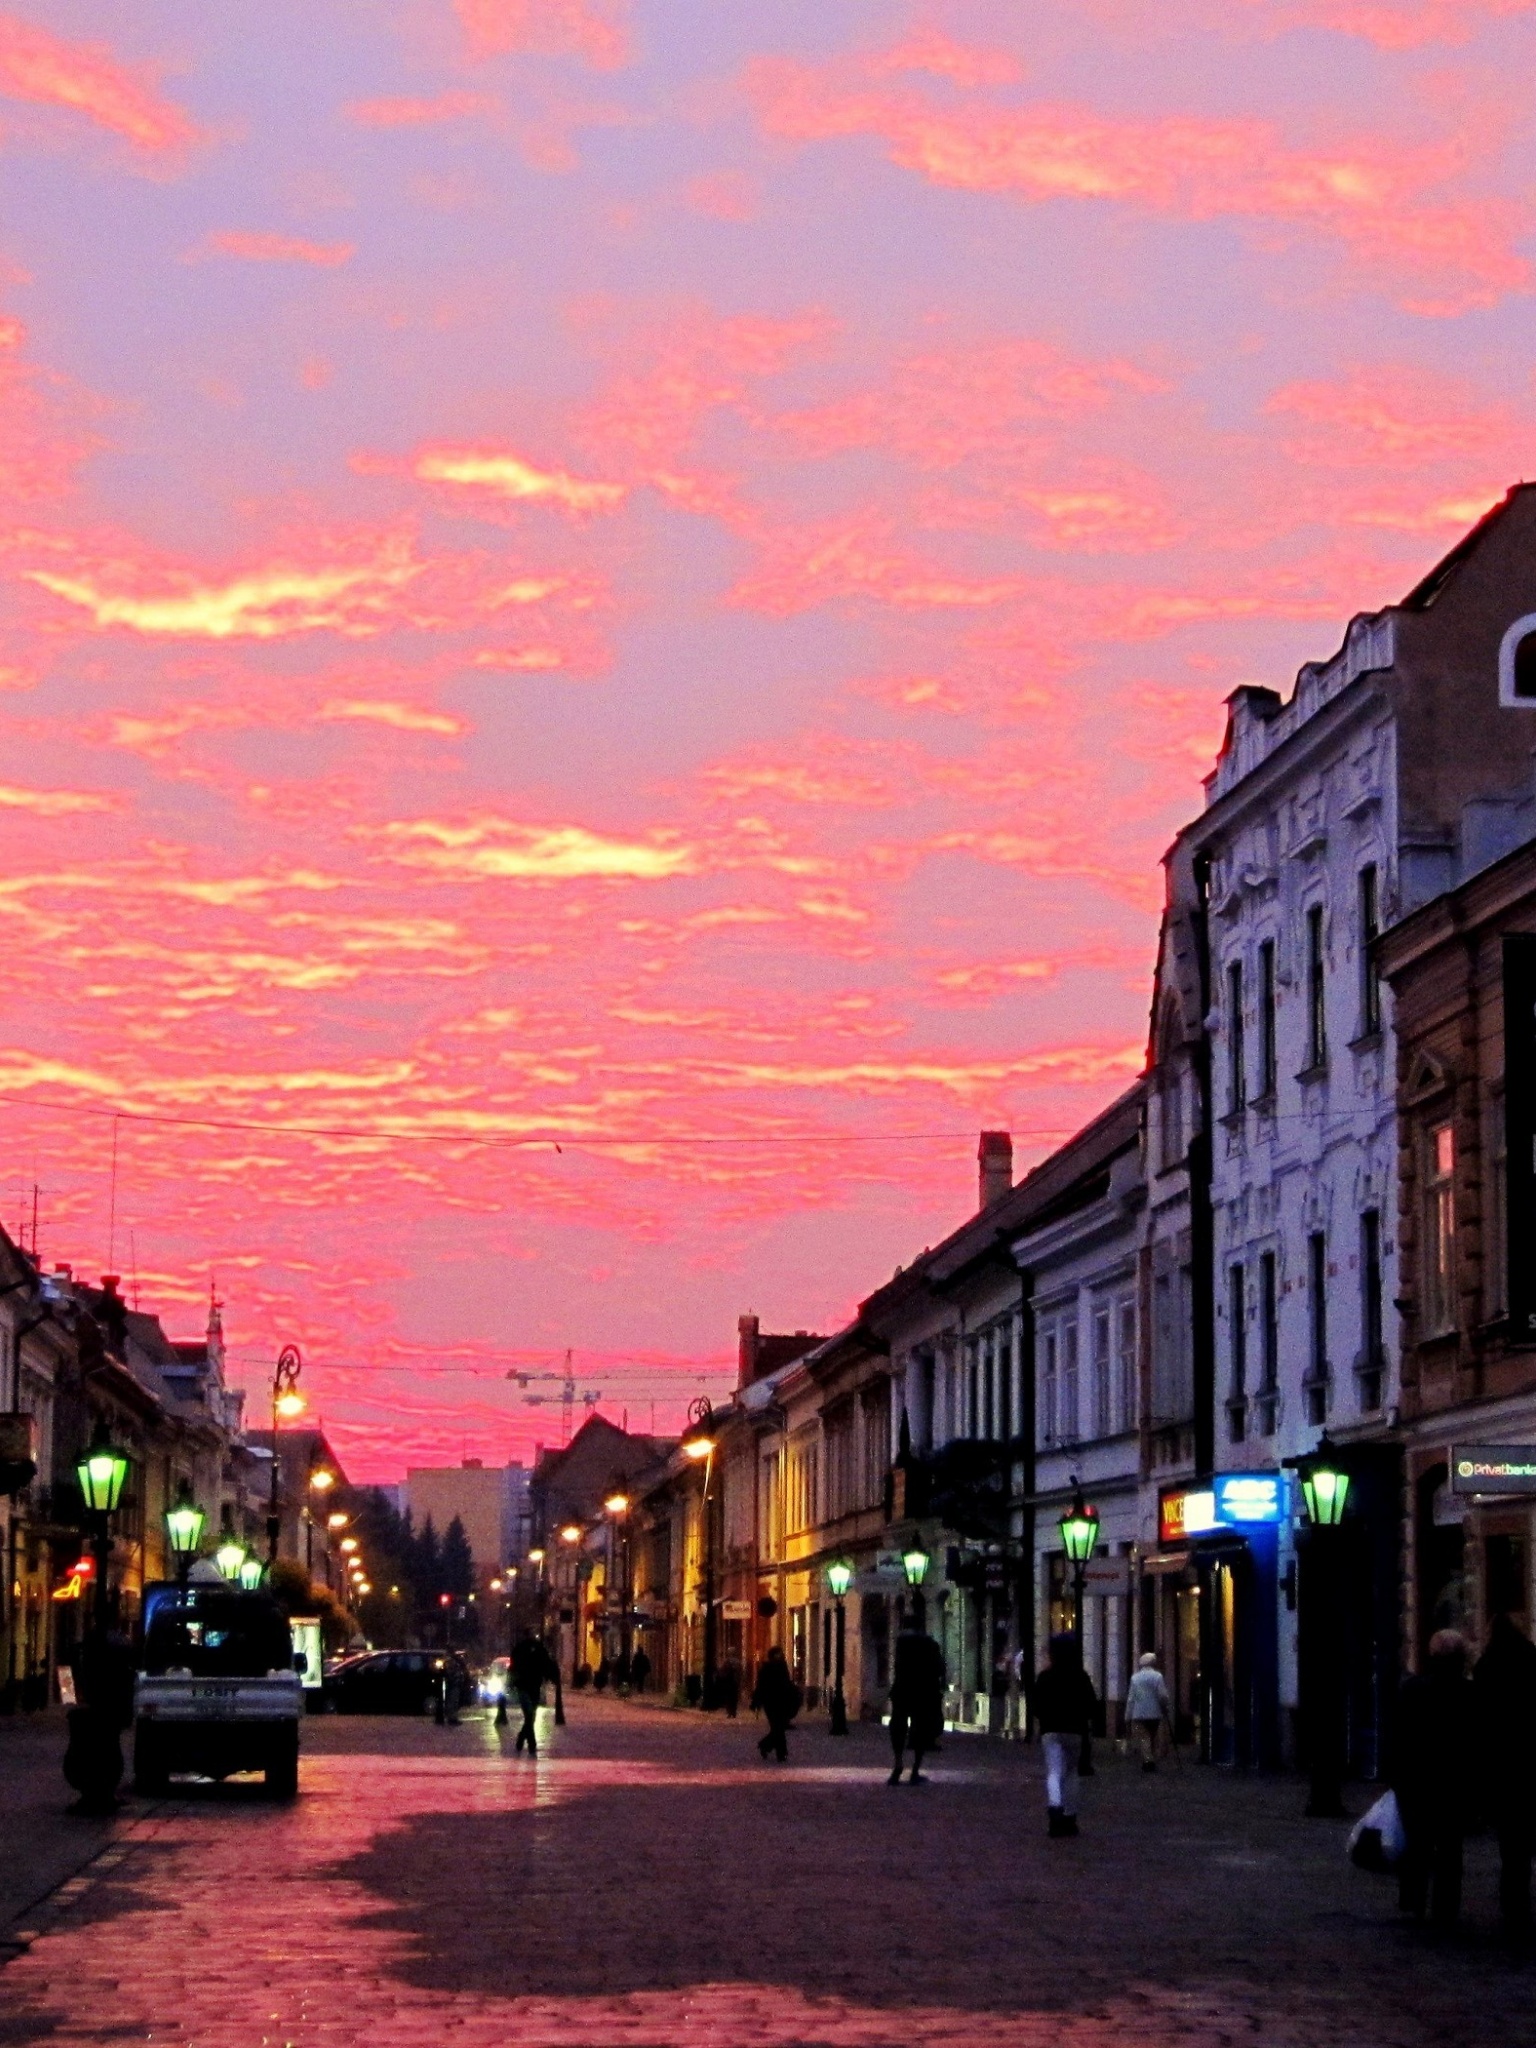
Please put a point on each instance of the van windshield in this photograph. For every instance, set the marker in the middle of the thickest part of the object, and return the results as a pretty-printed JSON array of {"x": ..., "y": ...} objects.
[{"x": 215, "y": 1632}]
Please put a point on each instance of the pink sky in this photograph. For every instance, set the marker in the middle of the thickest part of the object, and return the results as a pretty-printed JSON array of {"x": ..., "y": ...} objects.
[{"x": 660, "y": 574}]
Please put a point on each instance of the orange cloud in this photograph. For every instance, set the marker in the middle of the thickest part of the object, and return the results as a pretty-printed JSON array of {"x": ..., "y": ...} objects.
[
  {"x": 403, "y": 717},
  {"x": 406, "y": 112},
  {"x": 39, "y": 67},
  {"x": 594, "y": 30},
  {"x": 1399, "y": 415},
  {"x": 722, "y": 195},
  {"x": 508, "y": 476},
  {"x": 498, "y": 849},
  {"x": 52, "y": 803},
  {"x": 259, "y": 247},
  {"x": 357, "y": 585},
  {"x": 1370, "y": 195}
]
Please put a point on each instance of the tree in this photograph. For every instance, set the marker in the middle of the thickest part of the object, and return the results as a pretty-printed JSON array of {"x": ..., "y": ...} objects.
[
  {"x": 427, "y": 1564},
  {"x": 458, "y": 1562}
]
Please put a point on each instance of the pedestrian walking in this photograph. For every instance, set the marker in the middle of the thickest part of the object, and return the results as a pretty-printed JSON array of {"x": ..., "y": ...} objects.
[
  {"x": 639, "y": 1670},
  {"x": 1148, "y": 1709},
  {"x": 532, "y": 1669},
  {"x": 777, "y": 1697},
  {"x": 1433, "y": 1776},
  {"x": 1001, "y": 1684},
  {"x": 728, "y": 1688},
  {"x": 917, "y": 1699},
  {"x": 1064, "y": 1705},
  {"x": 1504, "y": 1696}
]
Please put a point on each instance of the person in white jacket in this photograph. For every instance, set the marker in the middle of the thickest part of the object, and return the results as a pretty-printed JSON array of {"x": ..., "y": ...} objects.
[{"x": 1148, "y": 1709}]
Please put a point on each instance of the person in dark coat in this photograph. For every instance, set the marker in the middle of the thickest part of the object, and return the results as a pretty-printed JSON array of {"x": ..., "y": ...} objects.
[
  {"x": 1432, "y": 1775},
  {"x": 917, "y": 1698},
  {"x": 728, "y": 1688},
  {"x": 93, "y": 1759},
  {"x": 777, "y": 1697},
  {"x": 639, "y": 1670},
  {"x": 1064, "y": 1705},
  {"x": 1504, "y": 1697},
  {"x": 532, "y": 1669}
]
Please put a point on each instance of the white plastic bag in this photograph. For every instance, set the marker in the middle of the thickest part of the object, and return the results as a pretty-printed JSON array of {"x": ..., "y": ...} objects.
[{"x": 1377, "y": 1840}]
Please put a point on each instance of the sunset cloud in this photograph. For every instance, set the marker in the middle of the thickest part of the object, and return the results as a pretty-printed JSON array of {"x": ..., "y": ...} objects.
[
  {"x": 256, "y": 246},
  {"x": 86, "y": 79},
  {"x": 597, "y": 31},
  {"x": 52, "y": 803},
  {"x": 405, "y": 111},
  {"x": 508, "y": 476},
  {"x": 403, "y": 717},
  {"x": 499, "y": 849},
  {"x": 1375, "y": 197}
]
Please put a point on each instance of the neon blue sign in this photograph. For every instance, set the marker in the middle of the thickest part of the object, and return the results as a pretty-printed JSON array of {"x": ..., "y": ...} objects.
[{"x": 1250, "y": 1497}]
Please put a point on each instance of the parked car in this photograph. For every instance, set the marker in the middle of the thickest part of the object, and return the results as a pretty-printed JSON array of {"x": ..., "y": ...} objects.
[
  {"x": 218, "y": 1691},
  {"x": 396, "y": 1682}
]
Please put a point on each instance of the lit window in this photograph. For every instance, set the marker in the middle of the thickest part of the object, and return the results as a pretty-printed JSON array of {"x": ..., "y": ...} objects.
[{"x": 1440, "y": 1232}]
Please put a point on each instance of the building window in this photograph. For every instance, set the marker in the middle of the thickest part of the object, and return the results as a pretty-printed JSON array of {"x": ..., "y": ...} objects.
[
  {"x": 1317, "y": 1010},
  {"x": 1172, "y": 1099},
  {"x": 1496, "y": 1256},
  {"x": 972, "y": 1389},
  {"x": 1071, "y": 1413},
  {"x": 1370, "y": 931},
  {"x": 1237, "y": 1063},
  {"x": 1440, "y": 1233},
  {"x": 1048, "y": 1383},
  {"x": 1237, "y": 1321},
  {"x": 1317, "y": 1312},
  {"x": 1269, "y": 1333},
  {"x": 1103, "y": 1372},
  {"x": 1267, "y": 1018},
  {"x": 1125, "y": 1350},
  {"x": 1372, "y": 1360}
]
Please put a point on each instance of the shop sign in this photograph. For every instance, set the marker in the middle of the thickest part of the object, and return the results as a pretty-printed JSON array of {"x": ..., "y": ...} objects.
[
  {"x": 1493, "y": 1468},
  {"x": 1250, "y": 1497},
  {"x": 888, "y": 1565},
  {"x": 736, "y": 1610},
  {"x": 1107, "y": 1578},
  {"x": 1184, "y": 1511}
]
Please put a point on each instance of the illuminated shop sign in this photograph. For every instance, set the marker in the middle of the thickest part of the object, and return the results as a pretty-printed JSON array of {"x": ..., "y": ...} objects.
[
  {"x": 1250, "y": 1497},
  {"x": 1493, "y": 1468},
  {"x": 1234, "y": 1500},
  {"x": 1185, "y": 1512}
]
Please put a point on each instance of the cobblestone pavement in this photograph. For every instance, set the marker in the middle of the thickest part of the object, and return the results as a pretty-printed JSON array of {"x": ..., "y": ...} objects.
[{"x": 647, "y": 1883}]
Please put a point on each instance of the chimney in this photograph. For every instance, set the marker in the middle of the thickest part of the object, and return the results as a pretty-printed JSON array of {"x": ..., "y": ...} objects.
[
  {"x": 994, "y": 1158},
  {"x": 746, "y": 1350}
]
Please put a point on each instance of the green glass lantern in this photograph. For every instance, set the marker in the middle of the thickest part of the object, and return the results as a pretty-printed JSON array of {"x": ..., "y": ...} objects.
[
  {"x": 839, "y": 1577},
  {"x": 915, "y": 1563},
  {"x": 252, "y": 1572},
  {"x": 1079, "y": 1528},
  {"x": 1324, "y": 1488},
  {"x": 184, "y": 1525},
  {"x": 229, "y": 1557},
  {"x": 101, "y": 1473}
]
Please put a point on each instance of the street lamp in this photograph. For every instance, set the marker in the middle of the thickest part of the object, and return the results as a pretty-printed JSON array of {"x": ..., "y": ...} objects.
[
  {"x": 1079, "y": 1528},
  {"x": 184, "y": 1529},
  {"x": 915, "y": 1563},
  {"x": 617, "y": 1505},
  {"x": 699, "y": 1438},
  {"x": 1325, "y": 1489},
  {"x": 252, "y": 1571},
  {"x": 571, "y": 1533},
  {"x": 101, "y": 1474},
  {"x": 287, "y": 1402},
  {"x": 229, "y": 1557},
  {"x": 839, "y": 1579}
]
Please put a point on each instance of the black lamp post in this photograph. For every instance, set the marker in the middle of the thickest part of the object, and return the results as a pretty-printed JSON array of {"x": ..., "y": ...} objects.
[
  {"x": 617, "y": 1507},
  {"x": 699, "y": 1444},
  {"x": 100, "y": 1475},
  {"x": 839, "y": 1579},
  {"x": 1079, "y": 1528},
  {"x": 287, "y": 1402},
  {"x": 915, "y": 1563},
  {"x": 184, "y": 1529},
  {"x": 1325, "y": 1490}
]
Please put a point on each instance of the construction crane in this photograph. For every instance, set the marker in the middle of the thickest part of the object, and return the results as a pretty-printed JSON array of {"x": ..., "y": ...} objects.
[{"x": 567, "y": 1384}]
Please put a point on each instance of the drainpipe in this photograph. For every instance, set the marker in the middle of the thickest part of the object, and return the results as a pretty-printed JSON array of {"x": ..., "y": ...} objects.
[
  {"x": 1202, "y": 1226},
  {"x": 1025, "y": 1595}
]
